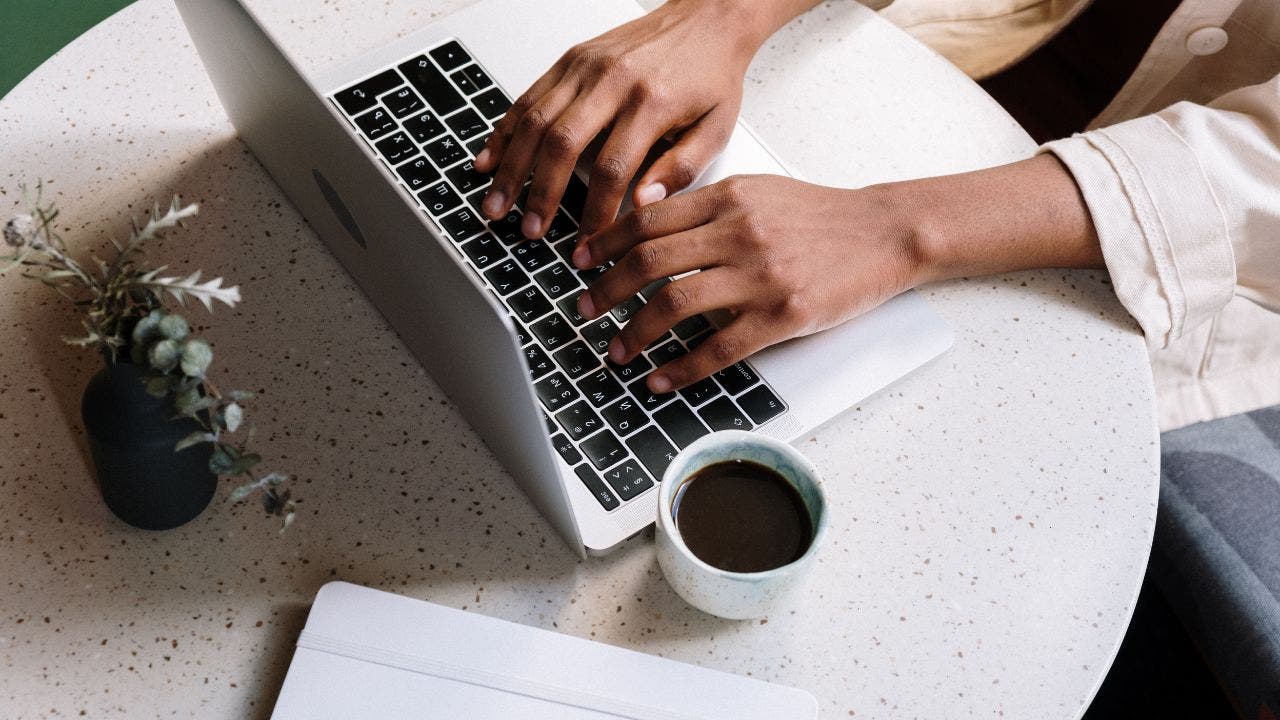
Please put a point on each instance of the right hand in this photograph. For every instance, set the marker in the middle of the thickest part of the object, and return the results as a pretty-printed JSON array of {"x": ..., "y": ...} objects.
[{"x": 676, "y": 72}]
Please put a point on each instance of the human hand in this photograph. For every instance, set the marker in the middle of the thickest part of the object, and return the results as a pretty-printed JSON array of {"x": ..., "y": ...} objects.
[
  {"x": 788, "y": 258},
  {"x": 676, "y": 72}
]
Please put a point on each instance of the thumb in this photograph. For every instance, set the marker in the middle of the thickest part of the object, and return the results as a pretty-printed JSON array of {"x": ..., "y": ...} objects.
[{"x": 681, "y": 165}]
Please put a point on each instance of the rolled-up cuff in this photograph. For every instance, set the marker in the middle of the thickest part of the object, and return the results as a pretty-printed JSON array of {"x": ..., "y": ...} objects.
[{"x": 1163, "y": 233}]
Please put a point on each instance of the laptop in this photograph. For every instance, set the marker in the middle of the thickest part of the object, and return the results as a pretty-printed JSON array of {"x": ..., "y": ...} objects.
[{"x": 376, "y": 155}]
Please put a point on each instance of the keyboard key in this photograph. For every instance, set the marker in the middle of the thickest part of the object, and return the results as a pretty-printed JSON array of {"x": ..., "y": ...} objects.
[
  {"x": 569, "y": 306},
  {"x": 529, "y": 304},
  {"x": 659, "y": 341},
  {"x": 524, "y": 338},
  {"x": 424, "y": 126},
  {"x": 492, "y": 103},
  {"x": 579, "y": 420},
  {"x": 465, "y": 178},
  {"x": 576, "y": 359},
  {"x": 598, "y": 334},
  {"x": 761, "y": 404},
  {"x": 590, "y": 275},
  {"x": 648, "y": 400},
  {"x": 475, "y": 146},
  {"x": 450, "y": 55},
  {"x": 508, "y": 228},
  {"x": 653, "y": 449},
  {"x": 418, "y": 174},
  {"x": 445, "y": 151},
  {"x": 484, "y": 251},
  {"x": 477, "y": 77},
  {"x": 551, "y": 427},
  {"x": 364, "y": 95},
  {"x": 693, "y": 342},
  {"x": 557, "y": 280},
  {"x": 396, "y": 148},
  {"x": 724, "y": 415},
  {"x": 554, "y": 331},
  {"x": 648, "y": 291},
  {"x": 376, "y": 123},
  {"x": 568, "y": 452},
  {"x": 737, "y": 378},
  {"x": 680, "y": 424},
  {"x": 507, "y": 278},
  {"x": 596, "y": 486},
  {"x": 565, "y": 250},
  {"x": 625, "y": 416},
  {"x": 627, "y": 308},
  {"x": 403, "y": 102},
  {"x": 538, "y": 361},
  {"x": 700, "y": 392},
  {"x": 432, "y": 84},
  {"x": 463, "y": 82},
  {"x": 628, "y": 480},
  {"x": 600, "y": 387},
  {"x": 462, "y": 224},
  {"x": 666, "y": 352},
  {"x": 439, "y": 199},
  {"x": 690, "y": 326},
  {"x": 555, "y": 391},
  {"x": 466, "y": 124},
  {"x": 476, "y": 200},
  {"x": 603, "y": 449},
  {"x": 561, "y": 228},
  {"x": 575, "y": 197},
  {"x": 533, "y": 255},
  {"x": 632, "y": 370}
]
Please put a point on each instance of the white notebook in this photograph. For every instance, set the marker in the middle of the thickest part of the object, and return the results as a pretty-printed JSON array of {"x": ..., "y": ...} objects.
[{"x": 370, "y": 654}]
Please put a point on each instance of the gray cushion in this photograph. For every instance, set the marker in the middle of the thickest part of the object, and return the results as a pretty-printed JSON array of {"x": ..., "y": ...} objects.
[{"x": 1217, "y": 549}]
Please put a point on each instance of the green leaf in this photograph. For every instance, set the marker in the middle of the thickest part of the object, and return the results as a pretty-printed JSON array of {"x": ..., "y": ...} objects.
[
  {"x": 159, "y": 385},
  {"x": 219, "y": 461},
  {"x": 195, "y": 438},
  {"x": 196, "y": 357},
  {"x": 174, "y": 327},
  {"x": 244, "y": 464},
  {"x": 238, "y": 395},
  {"x": 232, "y": 416},
  {"x": 185, "y": 401},
  {"x": 164, "y": 355},
  {"x": 242, "y": 492}
]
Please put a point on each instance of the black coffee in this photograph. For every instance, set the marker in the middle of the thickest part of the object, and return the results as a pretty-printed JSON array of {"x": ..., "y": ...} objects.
[{"x": 742, "y": 516}]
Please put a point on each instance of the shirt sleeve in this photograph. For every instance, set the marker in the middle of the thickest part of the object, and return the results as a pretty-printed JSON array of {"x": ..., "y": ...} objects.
[{"x": 1186, "y": 203}]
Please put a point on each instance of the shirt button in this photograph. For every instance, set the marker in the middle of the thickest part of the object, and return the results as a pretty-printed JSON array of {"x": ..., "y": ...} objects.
[{"x": 1206, "y": 40}]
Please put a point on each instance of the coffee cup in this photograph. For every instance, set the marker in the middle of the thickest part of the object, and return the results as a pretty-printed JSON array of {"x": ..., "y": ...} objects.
[{"x": 728, "y": 541}]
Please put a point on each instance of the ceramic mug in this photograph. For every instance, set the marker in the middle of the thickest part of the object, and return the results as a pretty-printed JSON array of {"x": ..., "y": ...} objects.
[{"x": 737, "y": 595}]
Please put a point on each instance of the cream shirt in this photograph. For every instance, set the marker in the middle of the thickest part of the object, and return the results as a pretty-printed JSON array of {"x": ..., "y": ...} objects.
[{"x": 1181, "y": 173}]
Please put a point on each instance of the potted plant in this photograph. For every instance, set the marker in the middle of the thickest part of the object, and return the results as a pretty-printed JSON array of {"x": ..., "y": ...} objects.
[{"x": 160, "y": 431}]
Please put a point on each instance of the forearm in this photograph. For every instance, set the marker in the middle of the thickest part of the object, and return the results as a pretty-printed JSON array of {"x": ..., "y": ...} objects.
[
  {"x": 1028, "y": 214},
  {"x": 757, "y": 19}
]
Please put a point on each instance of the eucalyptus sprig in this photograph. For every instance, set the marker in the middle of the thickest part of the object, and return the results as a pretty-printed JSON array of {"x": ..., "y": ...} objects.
[{"x": 123, "y": 304}]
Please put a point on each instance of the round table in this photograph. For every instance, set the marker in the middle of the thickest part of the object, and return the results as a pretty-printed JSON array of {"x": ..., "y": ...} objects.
[{"x": 993, "y": 511}]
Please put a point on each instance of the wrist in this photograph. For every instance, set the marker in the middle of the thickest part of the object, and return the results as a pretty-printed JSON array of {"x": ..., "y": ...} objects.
[{"x": 750, "y": 23}]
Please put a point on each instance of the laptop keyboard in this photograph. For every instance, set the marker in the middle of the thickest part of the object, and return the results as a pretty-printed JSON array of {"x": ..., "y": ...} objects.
[{"x": 426, "y": 119}]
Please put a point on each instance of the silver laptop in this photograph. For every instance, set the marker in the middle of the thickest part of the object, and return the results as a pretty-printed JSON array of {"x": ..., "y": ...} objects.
[{"x": 377, "y": 156}]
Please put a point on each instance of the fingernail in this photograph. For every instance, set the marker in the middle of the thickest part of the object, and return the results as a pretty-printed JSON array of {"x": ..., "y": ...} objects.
[
  {"x": 616, "y": 351},
  {"x": 586, "y": 308},
  {"x": 532, "y": 225},
  {"x": 651, "y": 193},
  {"x": 659, "y": 383},
  {"x": 495, "y": 204},
  {"x": 483, "y": 158},
  {"x": 582, "y": 257}
]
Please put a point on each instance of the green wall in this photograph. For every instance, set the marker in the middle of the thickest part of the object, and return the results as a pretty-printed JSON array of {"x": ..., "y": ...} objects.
[{"x": 32, "y": 30}]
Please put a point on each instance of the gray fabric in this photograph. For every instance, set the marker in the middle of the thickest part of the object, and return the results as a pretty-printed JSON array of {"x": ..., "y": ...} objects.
[{"x": 1217, "y": 549}]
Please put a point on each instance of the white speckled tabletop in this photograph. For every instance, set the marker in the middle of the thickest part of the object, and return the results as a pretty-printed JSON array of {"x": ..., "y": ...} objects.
[{"x": 993, "y": 511}]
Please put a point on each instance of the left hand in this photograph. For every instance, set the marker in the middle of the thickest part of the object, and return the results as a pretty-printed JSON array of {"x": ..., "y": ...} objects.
[{"x": 785, "y": 257}]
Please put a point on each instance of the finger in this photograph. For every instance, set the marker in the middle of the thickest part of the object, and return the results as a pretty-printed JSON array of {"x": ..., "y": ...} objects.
[
  {"x": 738, "y": 341},
  {"x": 489, "y": 158},
  {"x": 517, "y": 159},
  {"x": 561, "y": 146},
  {"x": 649, "y": 261},
  {"x": 698, "y": 293},
  {"x": 668, "y": 217},
  {"x": 684, "y": 163},
  {"x": 616, "y": 165}
]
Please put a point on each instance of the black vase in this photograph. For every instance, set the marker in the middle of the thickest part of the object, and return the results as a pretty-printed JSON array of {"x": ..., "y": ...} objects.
[{"x": 131, "y": 437}]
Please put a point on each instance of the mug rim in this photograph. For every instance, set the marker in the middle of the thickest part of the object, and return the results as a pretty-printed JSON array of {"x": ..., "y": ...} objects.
[{"x": 667, "y": 522}]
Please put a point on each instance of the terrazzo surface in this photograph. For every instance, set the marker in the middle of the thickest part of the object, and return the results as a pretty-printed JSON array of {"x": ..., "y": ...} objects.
[{"x": 992, "y": 512}]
